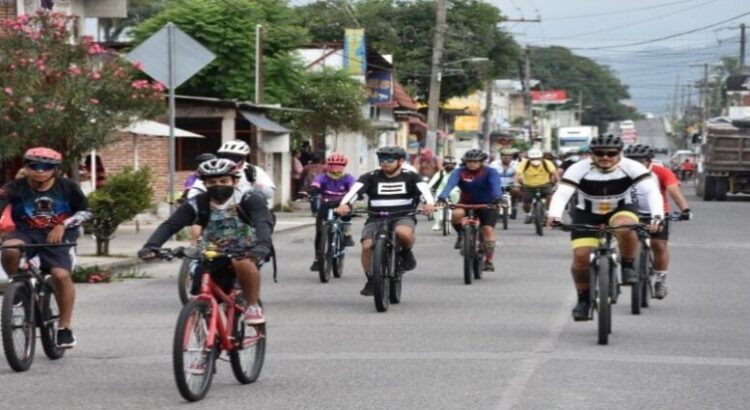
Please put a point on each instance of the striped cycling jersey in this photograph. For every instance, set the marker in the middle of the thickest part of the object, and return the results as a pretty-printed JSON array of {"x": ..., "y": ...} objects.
[
  {"x": 602, "y": 192},
  {"x": 390, "y": 194}
]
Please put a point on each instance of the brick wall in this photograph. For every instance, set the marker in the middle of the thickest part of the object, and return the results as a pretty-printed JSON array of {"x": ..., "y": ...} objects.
[
  {"x": 152, "y": 152},
  {"x": 8, "y": 9}
]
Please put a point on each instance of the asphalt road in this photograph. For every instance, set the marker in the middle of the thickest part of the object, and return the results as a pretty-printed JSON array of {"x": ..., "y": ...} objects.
[{"x": 505, "y": 342}]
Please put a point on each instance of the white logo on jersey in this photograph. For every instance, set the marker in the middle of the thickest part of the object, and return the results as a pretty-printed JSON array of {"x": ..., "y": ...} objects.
[{"x": 391, "y": 188}]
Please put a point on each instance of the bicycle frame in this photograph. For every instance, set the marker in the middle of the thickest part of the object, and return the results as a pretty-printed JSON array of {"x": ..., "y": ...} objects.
[
  {"x": 223, "y": 329},
  {"x": 336, "y": 226}
]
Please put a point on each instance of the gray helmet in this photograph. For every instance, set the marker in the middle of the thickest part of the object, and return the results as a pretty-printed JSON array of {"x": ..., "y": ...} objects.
[
  {"x": 217, "y": 168},
  {"x": 638, "y": 151},
  {"x": 474, "y": 155},
  {"x": 391, "y": 151},
  {"x": 449, "y": 160},
  {"x": 606, "y": 141}
]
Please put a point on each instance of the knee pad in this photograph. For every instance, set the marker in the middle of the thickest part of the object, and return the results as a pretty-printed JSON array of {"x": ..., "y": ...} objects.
[{"x": 488, "y": 245}]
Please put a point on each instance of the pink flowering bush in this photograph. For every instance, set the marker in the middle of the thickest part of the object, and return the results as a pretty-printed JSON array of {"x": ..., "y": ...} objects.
[{"x": 65, "y": 94}]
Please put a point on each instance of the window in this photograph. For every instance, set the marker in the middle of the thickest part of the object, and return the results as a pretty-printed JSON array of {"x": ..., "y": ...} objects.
[{"x": 189, "y": 148}]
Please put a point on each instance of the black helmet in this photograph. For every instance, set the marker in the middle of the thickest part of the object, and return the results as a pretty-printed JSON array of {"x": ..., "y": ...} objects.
[
  {"x": 638, "y": 151},
  {"x": 606, "y": 141},
  {"x": 391, "y": 151},
  {"x": 474, "y": 155},
  {"x": 217, "y": 168},
  {"x": 206, "y": 156},
  {"x": 449, "y": 160}
]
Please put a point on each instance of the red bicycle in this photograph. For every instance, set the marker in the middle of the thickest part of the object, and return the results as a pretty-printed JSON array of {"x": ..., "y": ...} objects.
[
  {"x": 472, "y": 250},
  {"x": 205, "y": 328}
]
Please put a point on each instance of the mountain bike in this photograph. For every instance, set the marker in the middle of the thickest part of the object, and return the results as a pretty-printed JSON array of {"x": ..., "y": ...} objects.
[
  {"x": 538, "y": 209},
  {"x": 205, "y": 328},
  {"x": 472, "y": 244},
  {"x": 506, "y": 208},
  {"x": 386, "y": 271},
  {"x": 603, "y": 283},
  {"x": 29, "y": 303},
  {"x": 643, "y": 291},
  {"x": 331, "y": 250},
  {"x": 445, "y": 223}
]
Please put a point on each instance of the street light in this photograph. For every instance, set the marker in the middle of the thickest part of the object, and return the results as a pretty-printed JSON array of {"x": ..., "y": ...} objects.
[{"x": 434, "y": 99}]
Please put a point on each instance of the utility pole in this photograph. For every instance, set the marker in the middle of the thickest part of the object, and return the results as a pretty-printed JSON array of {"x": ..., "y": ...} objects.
[
  {"x": 704, "y": 95},
  {"x": 527, "y": 92},
  {"x": 675, "y": 97},
  {"x": 580, "y": 107},
  {"x": 259, "y": 64},
  {"x": 487, "y": 124},
  {"x": 435, "y": 76},
  {"x": 742, "y": 48}
]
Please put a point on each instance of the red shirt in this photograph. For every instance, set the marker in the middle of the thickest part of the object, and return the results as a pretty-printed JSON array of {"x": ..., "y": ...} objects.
[{"x": 666, "y": 178}]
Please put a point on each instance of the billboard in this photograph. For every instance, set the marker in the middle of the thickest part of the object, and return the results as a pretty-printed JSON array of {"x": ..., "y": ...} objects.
[
  {"x": 549, "y": 97},
  {"x": 379, "y": 87},
  {"x": 355, "y": 55}
]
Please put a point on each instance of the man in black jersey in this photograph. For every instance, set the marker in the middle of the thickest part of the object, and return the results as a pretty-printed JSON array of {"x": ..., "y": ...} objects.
[{"x": 389, "y": 190}]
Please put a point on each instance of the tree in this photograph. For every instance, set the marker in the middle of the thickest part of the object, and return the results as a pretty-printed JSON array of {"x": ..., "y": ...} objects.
[
  {"x": 558, "y": 68},
  {"x": 228, "y": 30},
  {"x": 112, "y": 29},
  {"x": 64, "y": 95},
  {"x": 405, "y": 29}
]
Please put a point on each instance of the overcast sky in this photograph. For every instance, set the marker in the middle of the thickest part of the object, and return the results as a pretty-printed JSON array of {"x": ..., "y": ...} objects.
[{"x": 651, "y": 75}]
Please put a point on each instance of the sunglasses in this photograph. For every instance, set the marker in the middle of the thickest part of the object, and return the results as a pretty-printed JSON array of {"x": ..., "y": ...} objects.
[
  {"x": 608, "y": 154},
  {"x": 40, "y": 166},
  {"x": 387, "y": 160}
]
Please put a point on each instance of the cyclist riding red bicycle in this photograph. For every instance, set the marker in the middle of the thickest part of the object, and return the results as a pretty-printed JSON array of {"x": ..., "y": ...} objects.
[
  {"x": 46, "y": 208},
  {"x": 230, "y": 219}
]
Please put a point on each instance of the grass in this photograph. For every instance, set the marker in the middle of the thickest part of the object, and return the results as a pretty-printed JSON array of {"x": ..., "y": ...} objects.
[{"x": 95, "y": 274}]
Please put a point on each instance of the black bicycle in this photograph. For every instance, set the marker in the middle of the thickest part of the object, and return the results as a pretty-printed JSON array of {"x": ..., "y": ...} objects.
[
  {"x": 472, "y": 244},
  {"x": 538, "y": 209},
  {"x": 331, "y": 250},
  {"x": 28, "y": 304},
  {"x": 386, "y": 270},
  {"x": 603, "y": 283}
]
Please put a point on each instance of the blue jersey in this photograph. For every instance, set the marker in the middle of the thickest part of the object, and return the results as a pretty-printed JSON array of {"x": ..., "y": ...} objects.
[{"x": 477, "y": 187}]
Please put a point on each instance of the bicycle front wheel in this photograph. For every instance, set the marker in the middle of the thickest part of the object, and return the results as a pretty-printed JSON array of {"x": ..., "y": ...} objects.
[
  {"x": 469, "y": 251},
  {"x": 250, "y": 350},
  {"x": 603, "y": 299},
  {"x": 539, "y": 218},
  {"x": 18, "y": 329},
  {"x": 446, "y": 220},
  {"x": 636, "y": 293},
  {"x": 337, "y": 260},
  {"x": 380, "y": 279},
  {"x": 185, "y": 279},
  {"x": 505, "y": 212},
  {"x": 48, "y": 317},
  {"x": 193, "y": 360},
  {"x": 324, "y": 265}
]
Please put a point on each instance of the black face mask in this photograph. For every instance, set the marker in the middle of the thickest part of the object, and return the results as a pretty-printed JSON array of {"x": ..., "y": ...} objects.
[{"x": 220, "y": 193}]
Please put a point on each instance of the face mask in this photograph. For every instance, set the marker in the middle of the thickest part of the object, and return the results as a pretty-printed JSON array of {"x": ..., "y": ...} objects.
[
  {"x": 220, "y": 193},
  {"x": 536, "y": 162},
  {"x": 335, "y": 175}
]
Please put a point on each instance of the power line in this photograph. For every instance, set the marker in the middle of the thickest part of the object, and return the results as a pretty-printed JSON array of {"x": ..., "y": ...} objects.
[
  {"x": 638, "y": 43},
  {"x": 618, "y": 11}
]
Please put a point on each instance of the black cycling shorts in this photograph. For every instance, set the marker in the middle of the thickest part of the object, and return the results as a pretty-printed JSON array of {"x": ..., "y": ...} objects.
[{"x": 582, "y": 239}]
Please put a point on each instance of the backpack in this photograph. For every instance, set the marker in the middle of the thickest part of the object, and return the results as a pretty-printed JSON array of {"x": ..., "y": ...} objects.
[
  {"x": 544, "y": 164},
  {"x": 250, "y": 173}
]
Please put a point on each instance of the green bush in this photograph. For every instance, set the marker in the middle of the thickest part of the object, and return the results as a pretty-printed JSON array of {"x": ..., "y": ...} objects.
[{"x": 124, "y": 196}]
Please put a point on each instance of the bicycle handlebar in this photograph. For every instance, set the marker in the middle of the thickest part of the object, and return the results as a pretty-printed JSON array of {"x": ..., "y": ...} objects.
[
  {"x": 473, "y": 206},
  {"x": 198, "y": 251},
  {"x": 597, "y": 228}
]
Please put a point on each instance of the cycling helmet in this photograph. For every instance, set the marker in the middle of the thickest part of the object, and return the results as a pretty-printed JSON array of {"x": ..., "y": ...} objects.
[
  {"x": 606, "y": 141},
  {"x": 43, "y": 155},
  {"x": 206, "y": 156},
  {"x": 391, "y": 151},
  {"x": 217, "y": 168},
  {"x": 237, "y": 147},
  {"x": 535, "y": 153},
  {"x": 474, "y": 155},
  {"x": 638, "y": 151},
  {"x": 449, "y": 160},
  {"x": 507, "y": 152},
  {"x": 336, "y": 159}
]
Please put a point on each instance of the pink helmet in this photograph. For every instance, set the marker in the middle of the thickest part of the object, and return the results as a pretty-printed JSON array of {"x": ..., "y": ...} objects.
[
  {"x": 43, "y": 155},
  {"x": 336, "y": 159}
]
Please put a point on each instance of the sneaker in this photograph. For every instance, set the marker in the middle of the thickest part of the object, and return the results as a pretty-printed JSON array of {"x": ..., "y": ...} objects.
[
  {"x": 65, "y": 338},
  {"x": 582, "y": 311},
  {"x": 348, "y": 241},
  {"x": 629, "y": 276},
  {"x": 459, "y": 242},
  {"x": 369, "y": 288},
  {"x": 436, "y": 227},
  {"x": 660, "y": 288},
  {"x": 527, "y": 219},
  {"x": 408, "y": 262},
  {"x": 489, "y": 267},
  {"x": 315, "y": 266},
  {"x": 254, "y": 315}
]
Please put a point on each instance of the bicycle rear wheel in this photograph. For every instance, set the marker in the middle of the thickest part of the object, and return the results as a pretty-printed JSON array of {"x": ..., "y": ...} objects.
[
  {"x": 48, "y": 317},
  {"x": 18, "y": 328},
  {"x": 380, "y": 279},
  {"x": 192, "y": 360},
  {"x": 603, "y": 299},
  {"x": 469, "y": 251},
  {"x": 250, "y": 349},
  {"x": 324, "y": 262}
]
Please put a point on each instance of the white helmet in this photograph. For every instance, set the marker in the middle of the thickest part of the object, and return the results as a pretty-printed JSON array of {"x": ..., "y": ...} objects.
[
  {"x": 237, "y": 147},
  {"x": 535, "y": 153}
]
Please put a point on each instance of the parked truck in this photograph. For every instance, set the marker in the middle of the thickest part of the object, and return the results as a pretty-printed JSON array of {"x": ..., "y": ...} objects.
[
  {"x": 569, "y": 139},
  {"x": 724, "y": 166}
]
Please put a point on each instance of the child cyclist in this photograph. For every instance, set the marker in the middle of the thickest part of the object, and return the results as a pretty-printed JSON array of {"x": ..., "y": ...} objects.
[{"x": 331, "y": 186}]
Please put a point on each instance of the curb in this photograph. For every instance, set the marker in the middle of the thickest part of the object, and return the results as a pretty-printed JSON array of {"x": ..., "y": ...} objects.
[{"x": 126, "y": 264}]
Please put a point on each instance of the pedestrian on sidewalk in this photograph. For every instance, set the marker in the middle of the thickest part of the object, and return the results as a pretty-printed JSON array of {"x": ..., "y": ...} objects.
[{"x": 297, "y": 170}]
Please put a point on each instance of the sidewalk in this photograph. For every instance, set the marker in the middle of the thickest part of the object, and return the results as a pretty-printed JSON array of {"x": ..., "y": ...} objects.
[{"x": 126, "y": 243}]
